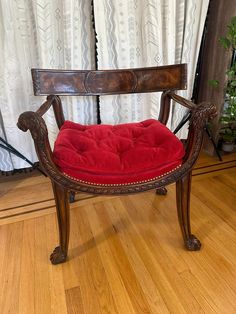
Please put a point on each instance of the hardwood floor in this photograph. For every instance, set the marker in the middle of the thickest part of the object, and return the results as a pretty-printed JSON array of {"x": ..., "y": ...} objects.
[{"x": 126, "y": 253}]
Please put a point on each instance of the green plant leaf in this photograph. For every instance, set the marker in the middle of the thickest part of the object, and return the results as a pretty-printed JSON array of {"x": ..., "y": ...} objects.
[
  {"x": 228, "y": 117},
  {"x": 233, "y": 21},
  {"x": 233, "y": 83},
  {"x": 225, "y": 42},
  {"x": 230, "y": 73}
]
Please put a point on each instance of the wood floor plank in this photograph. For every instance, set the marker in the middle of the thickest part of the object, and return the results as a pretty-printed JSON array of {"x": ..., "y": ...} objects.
[
  {"x": 126, "y": 253},
  {"x": 205, "y": 160},
  {"x": 152, "y": 294},
  {"x": 80, "y": 266},
  {"x": 41, "y": 269},
  {"x": 130, "y": 281},
  {"x": 214, "y": 200},
  {"x": 56, "y": 283},
  {"x": 228, "y": 179},
  {"x": 19, "y": 210},
  {"x": 208, "y": 268},
  {"x": 213, "y": 280},
  {"x": 120, "y": 294},
  {"x": 160, "y": 259},
  {"x": 94, "y": 265},
  {"x": 13, "y": 199},
  {"x": 27, "y": 278},
  {"x": 10, "y": 273},
  {"x": 74, "y": 301},
  {"x": 156, "y": 272}
]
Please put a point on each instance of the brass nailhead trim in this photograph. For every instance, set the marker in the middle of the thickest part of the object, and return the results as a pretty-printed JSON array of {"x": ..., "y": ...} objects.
[{"x": 120, "y": 184}]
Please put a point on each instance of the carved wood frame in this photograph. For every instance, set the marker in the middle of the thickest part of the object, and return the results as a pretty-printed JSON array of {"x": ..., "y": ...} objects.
[
  {"x": 34, "y": 122},
  {"x": 131, "y": 81}
]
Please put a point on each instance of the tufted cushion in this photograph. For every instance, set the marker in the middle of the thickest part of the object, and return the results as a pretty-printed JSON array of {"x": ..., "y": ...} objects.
[{"x": 124, "y": 153}]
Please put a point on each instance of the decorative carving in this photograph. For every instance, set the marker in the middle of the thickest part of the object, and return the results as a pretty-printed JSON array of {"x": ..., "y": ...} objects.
[
  {"x": 202, "y": 113},
  {"x": 146, "y": 81},
  {"x": 161, "y": 191},
  {"x": 32, "y": 121},
  {"x": 37, "y": 127}
]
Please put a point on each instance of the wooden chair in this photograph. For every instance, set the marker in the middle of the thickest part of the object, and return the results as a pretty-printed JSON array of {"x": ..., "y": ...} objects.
[{"x": 123, "y": 159}]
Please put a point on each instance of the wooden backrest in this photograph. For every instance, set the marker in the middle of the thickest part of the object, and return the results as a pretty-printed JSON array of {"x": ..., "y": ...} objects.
[{"x": 107, "y": 82}]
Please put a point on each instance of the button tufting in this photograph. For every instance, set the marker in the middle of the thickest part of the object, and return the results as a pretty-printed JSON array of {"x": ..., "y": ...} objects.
[{"x": 124, "y": 153}]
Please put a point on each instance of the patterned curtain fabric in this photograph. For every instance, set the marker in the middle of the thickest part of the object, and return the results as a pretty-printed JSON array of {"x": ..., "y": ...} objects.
[
  {"x": 5, "y": 157},
  {"x": 59, "y": 34},
  {"x": 138, "y": 33},
  {"x": 45, "y": 34}
]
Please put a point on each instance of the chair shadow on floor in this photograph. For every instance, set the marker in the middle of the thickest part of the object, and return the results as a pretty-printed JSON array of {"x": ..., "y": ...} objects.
[{"x": 98, "y": 239}]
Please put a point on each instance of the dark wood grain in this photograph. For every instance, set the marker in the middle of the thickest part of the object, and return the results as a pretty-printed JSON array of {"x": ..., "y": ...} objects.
[
  {"x": 63, "y": 214},
  {"x": 76, "y": 82},
  {"x": 183, "y": 189},
  {"x": 164, "y": 108}
]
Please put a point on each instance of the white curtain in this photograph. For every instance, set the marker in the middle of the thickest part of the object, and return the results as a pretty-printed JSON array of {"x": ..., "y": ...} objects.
[
  {"x": 59, "y": 34},
  {"x": 45, "y": 34},
  {"x": 138, "y": 33}
]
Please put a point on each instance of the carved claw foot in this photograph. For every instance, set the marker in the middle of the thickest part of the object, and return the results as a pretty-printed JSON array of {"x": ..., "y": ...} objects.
[
  {"x": 192, "y": 243},
  {"x": 57, "y": 256},
  {"x": 161, "y": 191}
]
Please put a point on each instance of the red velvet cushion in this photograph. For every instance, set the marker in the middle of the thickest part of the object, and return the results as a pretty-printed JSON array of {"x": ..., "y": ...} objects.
[{"x": 125, "y": 153}]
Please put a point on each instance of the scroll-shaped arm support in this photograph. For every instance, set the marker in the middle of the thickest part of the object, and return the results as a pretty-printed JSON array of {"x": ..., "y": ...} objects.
[
  {"x": 200, "y": 114},
  {"x": 33, "y": 122}
]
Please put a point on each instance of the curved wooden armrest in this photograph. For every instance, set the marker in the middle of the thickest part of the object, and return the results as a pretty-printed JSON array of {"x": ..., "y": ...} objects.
[
  {"x": 55, "y": 102},
  {"x": 200, "y": 114},
  {"x": 165, "y": 104},
  {"x": 182, "y": 101},
  {"x": 46, "y": 105},
  {"x": 204, "y": 110},
  {"x": 33, "y": 122}
]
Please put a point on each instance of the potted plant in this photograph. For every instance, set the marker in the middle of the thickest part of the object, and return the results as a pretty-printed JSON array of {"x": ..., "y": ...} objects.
[
  {"x": 228, "y": 135},
  {"x": 228, "y": 118}
]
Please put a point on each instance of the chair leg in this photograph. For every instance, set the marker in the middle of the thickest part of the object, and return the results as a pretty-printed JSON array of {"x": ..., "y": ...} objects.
[
  {"x": 59, "y": 255},
  {"x": 161, "y": 191},
  {"x": 183, "y": 188}
]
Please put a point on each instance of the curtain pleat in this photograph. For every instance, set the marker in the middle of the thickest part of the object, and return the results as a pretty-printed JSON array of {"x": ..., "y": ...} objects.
[
  {"x": 139, "y": 33},
  {"x": 46, "y": 34},
  {"x": 59, "y": 34}
]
